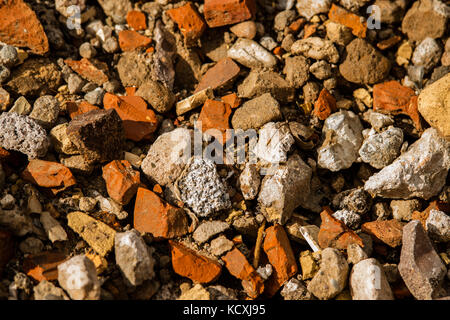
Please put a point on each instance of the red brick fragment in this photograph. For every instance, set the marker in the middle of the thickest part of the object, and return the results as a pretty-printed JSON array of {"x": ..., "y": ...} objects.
[
  {"x": 49, "y": 174},
  {"x": 76, "y": 108},
  {"x": 189, "y": 21},
  {"x": 20, "y": 27},
  {"x": 137, "y": 20},
  {"x": 232, "y": 99},
  {"x": 214, "y": 118},
  {"x": 238, "y": 266},
  {"x": 348, "y": 19},
  {"x": 93, "y": 71},
  {"x": 121, "y": 180},
  {"x": 325, "y": 105},
  {"x": 44, "y": 265},
  {"x": 188, "y": 263},
  {"x": 221, "y": 75},
  {"x": 130, "y": 40},
  {"x": 153, "y": 215},
  {"x": 223, "y": 12},
  {"x": 386, "y": 231},
  {"x": 310, "y": 29}
]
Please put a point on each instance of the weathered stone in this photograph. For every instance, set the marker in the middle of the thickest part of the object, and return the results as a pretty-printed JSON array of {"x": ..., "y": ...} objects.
[
  {"x": 438, "y": 225},
  {"x": 316, "y": 48},
  {"x": 419, "y": 172},
  {"x": 116, "y": 9},
  {"x": 368, "y": 281},
  {"x": 250, "y": 54},
  {"x": 355, "y": 253},
  {"x": 54, "y": 230},
  {"x": 274, "y": 142},
  {"x": 220, "y": 245},
  {"x": 46, "y": 290},
  {"x": 310, "y": 8},
  {"x": 296, "y": 70},
  {"x": 348, "y": 217},
  {"x": 61, "y": 141},
  {"x": 420, "y": 266},
  {"x": 403, "y": 209},
  {"x": 250, "y": 181},
  {"x": 17, "y": 221},
  {"x": 206, "y": 230},
  {"x": 157, "y": 95},
  {"x": 427, "y": 54}
]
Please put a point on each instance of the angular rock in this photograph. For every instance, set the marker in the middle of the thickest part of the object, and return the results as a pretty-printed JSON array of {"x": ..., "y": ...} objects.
[
  {"x": 419, "y": 172},
  {"x": 116, "y": 9},
  {"x": 130, "y": 40},
  {"x": 93, "y": 72},
  {"x": 343, "y": 138},
  {"x": 259, "y": 83},
  {"x": 438, "y": 226},
  {"x": 137, "y": 20},
  {"x": 316, "y": 48},
  {"x": 355, "y": 253},
  {"x": 54, "y": 230},
  {"x": 420, "y": 266},
  {"x": 133, "y": 258},
  {"x": 214, "y": 120},
  {"x": 348, "y": 19},
  {"x": 121, "y": 180},
  {"x": 220, "y": 245},
  {"x": 274, "y": 142},
  {"x": 60, "y": 140},
  {"x": 403, "y": 209},
  {"x": 157, "y": 95},
  {"x": 223, "y": 12},
  {"x": 79, "y": 278},
  {"x": 206, "y": 230},
  {"x": 23, "y": 134},
  {"x": 386, "y": 231},
  {"x": 348, "y": 217},
  {"x": 46, "y": 290},
  {"x": 296, "y": 70},
  {"x": 220, "y": 76},
  {"x": 134, "y": 68},
  {"x": 250, "y": 181},
  {"x": 49, "y": 174},
  {"x": 368, "y": 281},
  {"x": 250, "y": 54},
  {"x": 194, "y": 101},
  {"x": 325, "y": 105},
  {"x": 427, "y": 54},
  {"x": 189, "y": 21},
  {"x": 310, "y": 8},
  {"x": 45, "y": 111}
]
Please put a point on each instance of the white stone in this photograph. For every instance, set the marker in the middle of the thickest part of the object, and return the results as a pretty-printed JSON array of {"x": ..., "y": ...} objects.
[
  {"x": 251, "y": 54},
  {"x": 249, "y": 181},
  {"x": 274, "y": 142},
  {"x": 438, "y": 225},
  {"x": 309, "y": 8},
  {"x": 427, "y": 54},
  {"x": 368, "y": 281}
]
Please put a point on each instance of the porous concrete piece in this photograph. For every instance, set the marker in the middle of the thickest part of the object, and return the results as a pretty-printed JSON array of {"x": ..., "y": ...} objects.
[
  {"x": 208, "y": 229},
  {"x": 331, "y": 278},
  {"x": 168, "y": 156},
  {"x": 316, "y": 48},
  {"x": 419, "y": 172},
  {"x": 343, "y": 138},
  {"x": 202, "y": 189},
  {"x": 380, "y": 149},
  {"x": 284, "y": 189},
  {"x": 79, "y": 278},
  {"x": 133, "y": 258},
  {"x": 420, "y": 266},
  {"x": 23, "y": 134},
  {"x": 438, "y": 225},
  {"x": 368, "y": 281},
  {"x": 274, "y": 142},
  {"x": 251, "y": 54},
  {"x": 348, "y": 217}
]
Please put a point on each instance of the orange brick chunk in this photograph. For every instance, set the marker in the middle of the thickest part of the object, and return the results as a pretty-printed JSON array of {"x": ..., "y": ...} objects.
[
  {"x": 20, "y": 27},
  {"x": 49, "y": 174},
  {"x": 138, "y": 121},
  {"x": 215, "y": 115},
  {"x": 121, "y": 180},
  {"x": 44, "y": 265},
  {"x": 221, "y": 75},
  {"x": 392, "y": 97},
  {"x": 189, "y": 21},
  {"x": 279, "y": 252},
  {"x": 389, "y": 231},
  {"x": 88, "y": 70},
  {"x": 137, "y": 20},
  {"x": 130, "y": 40},
  {"x": 74, "y": 108},
  {"x": 239, "y": 267},
  {"x": 325, "y": 105},
  {"x": 188, "y": 263},
  {"x": 155, "y": 216},
  {"x": 223, "y": 12},
  {"x": 348, "y": 19}
]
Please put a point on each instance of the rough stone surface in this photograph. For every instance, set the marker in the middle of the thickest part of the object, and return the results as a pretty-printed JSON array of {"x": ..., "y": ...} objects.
[
  {"x": 438, "y": 225},
  {"x": 133, "y": 258},
  {"x": 343, "y": 138},
  {"x": 348, "y": 217},
  {"x": 386, "y": 231},
  {"x": 296, "y": 70},
  {"x": 61, "y": 141},
  {"x": 368, "y": 281},
  {"x": 310, "y": 8},
  {"x": 220, "y": 245},
  {"x": 45, "y": 111},
  {"x": 23, "y": 134},
  {"x": 355, "y": 253},
  {"x": 208, "y": 229},
  {"x": 420, "y": 266},
  {"x": 250, "y": 181},
  {"x": 250, "y": 54},
  {"x": 419, "y": 172},
  {"x": 46, "y": 290},
  {"x": 274, "y": 142},
  {"x": 427, "y": 54},
  {"x": 316, "y": 48},
  {"x": 157, "y": 95},
  {"x": 54, "y": 230}
]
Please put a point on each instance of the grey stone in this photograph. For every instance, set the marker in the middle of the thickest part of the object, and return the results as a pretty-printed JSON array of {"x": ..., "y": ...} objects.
[
  {"x": 378, "y": 120},
  {"x": 54, "y": 230},
  {"x": 23, "y": 134},
  {"x": 321, "y": 70},
  {"x": 251, "y": 54},
  {"x": 4, "y": 73},
  {"x": 338, "y": 33},
  {"x": 316, "y": 48},
  {"x": 420, "y": 266},
  {"x": 157, "y": 95},
  {"x": 249, "y": 180},
  {"x": 343, "y": 138},
  {"x": 168, "y": 156},
  {"x": 208, "y": 229},
  {"x": 295, "y": 290},
  {"x": 8, "y": 56},
  {"x": 75, "y": 83},
  {"x": 268, "y": 43},
  {"x": 368, "y": 281},
  {"x": 45, "y": 111},
  {"x": 202, "y": 189},
  {"x": 285, "y": 187},
  {"x": 348, "y": 217},
  {"x": 331, "y": 278},
  {"x": 380, "y": 149},
  {"x": 438, "y": 226},
  {"x": 78, "y": 277},
  {"x": 46, "y": 290},
  {"x": 283, "y": 19},
  {"x": 427, "y": 54},
  {"x": 16, "y": 221},
  {"x": 310, "y": 8},
  {"x": 133, "y": 258},
  {"x": 95, "y": 96},
  {"x": 87, "y": 50},
  {"x": 419, "y": 172}
]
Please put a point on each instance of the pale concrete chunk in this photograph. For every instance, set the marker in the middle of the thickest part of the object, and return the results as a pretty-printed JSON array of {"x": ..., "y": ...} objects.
[
  {"x": 274, "y": 142},
  {"x": 208, "y": 229},
  {"x": 368, "y": 281}
]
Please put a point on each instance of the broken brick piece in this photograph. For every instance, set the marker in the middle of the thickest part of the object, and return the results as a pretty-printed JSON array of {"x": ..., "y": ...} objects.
[
  {"x": 188, "y": 263},
  {"x": 219, "y": 76},
  {"x": 130, "y": 40},
  {"x": 155, "y": 216},
  {"x": 49, "y": 174},
  {"x": 280, "y": 255},
  {"x": 189, "y": 21},
  {"x": 138, "y": 121},
  {"x": 91, "y": 71},
  {"x": 232, "y": 99},
  {"x": 6, "y": 249},
  {"x": 238, "y": 266},
  {"x": 325, "y": 105},
  {"x": 386, "y": 231},
  {"x": 310, "y": 29},
  {"x": 392, "y": 97},
  {"x": 334, "y": 233},
  {"x": 214, "y": 118},
  {"x": 388, "y": 43},
  {"x": 137, "y": 20},
  {"x": 20, "y": 27},
  {"x": 223, "y": 12},
  {"x": 348, "y": 19},
  {"x": 297, "y": 24},
  {"x": 76, "y": 108},
  {"x": 121, "y": 180},
  {"x": 44, "y": 265}
]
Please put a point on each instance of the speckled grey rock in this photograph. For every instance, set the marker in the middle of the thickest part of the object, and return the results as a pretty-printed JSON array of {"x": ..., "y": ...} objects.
[
  {"x": 343, "y": 138},
  {"x": 78, "y": 277},
  {"x": 380, "y": 149},
  {"x": 420, "y": 266},
  {"x": 45, "y": 111},
  {"x": 348, "y": 217},
  {"x": 202, "y": 189},
  {"x": 133, "y": 258},
  {"x": 316, "y": 48},
  {"x": 355, "y": 253},
  {"x": 8, "y": 55},
  {"x": 251, "y": 54},
  {"x": 419, "y": 172},
  {"x": 378, "y": 120},
  {"x": 368, "y": 281},
  {"x": 208, "y": 229},
  {"x": 438, "y": 226},
  {"x": 427, "y": 54},
  {"x": 23, "y": 134}
]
